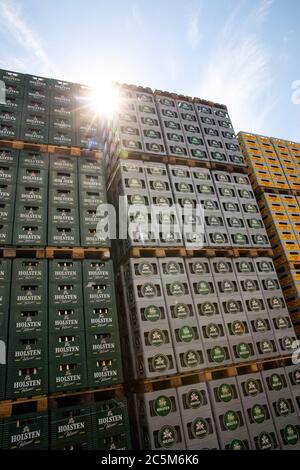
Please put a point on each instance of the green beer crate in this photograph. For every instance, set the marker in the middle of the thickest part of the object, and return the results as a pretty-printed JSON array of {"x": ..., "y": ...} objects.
[
  {"x": 105, "y": 371},
  {"x": 5, "y": 234},
  {"x": 9, "y": 156},
  {"x": 65, "y": 319},
  {"x": 97, "y": 270},
  {"x": 28, "y": 350},
  {"x": 100, "y": 318},
  {"x": 28, "y": 321},
  {"x": 109, "y": 417},
  {"x": 30, "y": 270},
  {"x": 66, "y": 294},
  {"x": 70, "y": 426},
  {"x": 118, "y": 440},
  {"x": 65, "y": 376},
  {"x": 26, "y": 381},
  {"x": 102, "y": 343},
  {"x": 69, "y": 270},
  {"x": 28, "y": 431},
  {"x": 32, "y": 159},
  {"x": 67, "y": 347}
]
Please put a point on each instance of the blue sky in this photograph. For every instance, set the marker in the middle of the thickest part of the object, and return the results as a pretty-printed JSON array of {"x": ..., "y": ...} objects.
[{"x": 244, "y": 53}]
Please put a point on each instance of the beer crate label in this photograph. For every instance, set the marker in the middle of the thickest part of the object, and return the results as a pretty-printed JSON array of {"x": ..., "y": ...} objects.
[
  {"x": 252, "y": 387},
  {"x": 231, "y": 420},
  {"x": 258, "y": 414},
  {"x": 200, "y": 428},
  {"x": 186, "y": 334},
  {"x": 194, "y": 399},
  {"x": 225, "y": 393},
  {"x": 162, "y": 406},
  {"x": 260, "y": 325},
  {"x": 167, "y": 437}
]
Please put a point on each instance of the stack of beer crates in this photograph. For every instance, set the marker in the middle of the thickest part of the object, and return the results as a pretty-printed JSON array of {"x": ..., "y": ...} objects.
[
  {"x": 279, "y": 204},
  {"x": 60, "y": 365},
  {"x": 202, "y": 311}
]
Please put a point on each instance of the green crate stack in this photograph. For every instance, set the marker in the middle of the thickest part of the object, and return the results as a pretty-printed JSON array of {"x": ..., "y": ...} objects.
[
  {"x": 27, "y": 370},
  {"x": 103, "y": 344}
]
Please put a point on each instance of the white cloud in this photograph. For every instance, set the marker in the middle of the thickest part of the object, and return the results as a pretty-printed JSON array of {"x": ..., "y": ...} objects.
[
  {"x": 264, "y": 8},
  {"x": 194, "y": 36},
  {"x": 239, "y": 72},
  {"x": 21, "y": 32}
]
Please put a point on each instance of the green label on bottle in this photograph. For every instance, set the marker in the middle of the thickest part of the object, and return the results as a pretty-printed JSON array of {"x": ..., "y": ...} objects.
[
  {"x": 252, "y": 387},
  {"x": 231, "y": 420},
  {"x": 145, "y": 269},
  {"x": 149, "y": 290},
  {"x": 194, "y": 399},
  {"x": 225, "y": 393},
  {"x": 156, "y": 338},
  {"x": 203, "y": 288},
  {"x": 208, "y": 309},
  {"x": 152, "y": 313},
  {"x": 186, "y": 334},
  {"x": 172, "y": 268},
  {"x": 258, "y": 414},
  {"x": 283, "y": 407},
  {"x": 191, "y": 358},
  {"x": 243, "y": 350},
  {"x": 291, "y": 435},
  {"x": 160, "y": 363},
  {"x": 181, "y": 311},
  {"x": 177, "y": 288},
  {"x": 200, "y": 428},
  {"x": 218, "y": 354},
  {"x": 238, "y": 328},
  {"x": 162, "y": 406},
  {"x": 276, "y": 382},
  {"x": 213, "y": 331},
  {"x": 237, "y": 444},
  {"x": 167, "y": 436},
  {"x": 265, "y": 441}
]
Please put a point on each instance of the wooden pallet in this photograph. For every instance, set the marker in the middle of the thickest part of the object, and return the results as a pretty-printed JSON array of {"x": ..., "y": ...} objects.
[
  {"x": 75, "y": 151},
  {"x": 20, "y": 145},
  {"x": 8, "y": 252},
  {"x": 45, "y": 148},
  {"x": 156, "y": 252},
  {"x": 23, "y": 405},
  {"x": 181, "y": 252},
  {"x": 57, "y": 400},
  {"x": 141, "y": 156},
  {"x": 77, "y": 253},
  {"x": 207, "y": 375}
]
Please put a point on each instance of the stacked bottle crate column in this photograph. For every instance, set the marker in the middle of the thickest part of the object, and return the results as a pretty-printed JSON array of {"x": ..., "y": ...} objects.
[
  {"x": 62, "y": 113},
  {"x": 159, "y": 425},
  {"x": 92, "y": 194},
  {"x": 275, "y": 303},
  {"x": 259, "y": 321},
  {"x": 36, "y": 106},
  {"x": 87, "y": 121},
  {"x": 5, "y": 280},
  {"x": 102, "y": 334},
  {"x": 258, "y": 413},
  {"x": 63, "y": 226},
  {"x": 191, "y": 221},
  {"x": 146, "y": 315},
  {"x": 164, "y": 213},
  {"x": 30, "y": 227},
  {"x": 11, "y": 109},
  {"x": 283, "y": 408},
  {"x": 208, "y": 311},
  {"x": 27, "y": 371},
  {"x": 229, "y": 415},
  {"x": 184, "y": 327},
  {"x": 235, "y": 319},
  {"x": 171, "y": 125},
  {"x": 8, "y": 179},
  {"x": 67, "y": 353},
  {"x": 193, "y": 135},
  {"x": 197, "y": 419}
]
